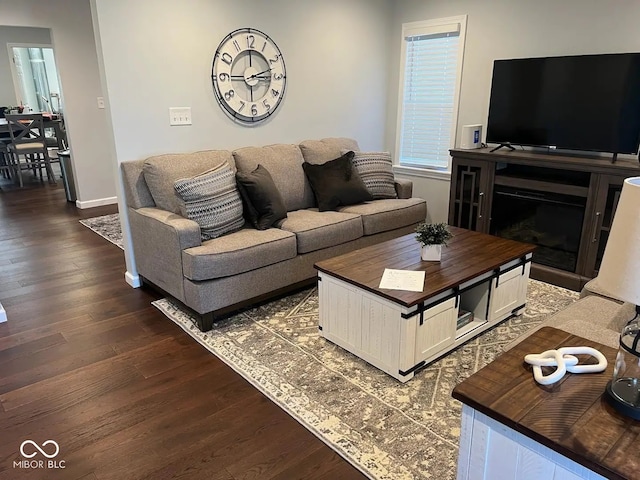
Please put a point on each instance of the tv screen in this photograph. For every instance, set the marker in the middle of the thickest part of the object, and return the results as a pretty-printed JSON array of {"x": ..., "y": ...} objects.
[{"x": 586, "y": 102}]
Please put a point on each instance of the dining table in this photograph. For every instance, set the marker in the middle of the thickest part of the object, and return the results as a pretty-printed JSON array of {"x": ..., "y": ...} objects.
[{"x": 51, "y": 120}]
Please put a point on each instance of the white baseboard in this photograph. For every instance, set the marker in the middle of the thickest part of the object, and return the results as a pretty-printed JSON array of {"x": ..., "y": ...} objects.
[
  {"x": 98, "y": 202},
  {"x": 133, "y": 280},
  {"x": 3, "y": 314}
]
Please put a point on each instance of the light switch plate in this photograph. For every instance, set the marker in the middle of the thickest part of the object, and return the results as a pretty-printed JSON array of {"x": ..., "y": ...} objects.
[
  {"x": 180, "y": 116},
  {"x": 100, "y": 102}
]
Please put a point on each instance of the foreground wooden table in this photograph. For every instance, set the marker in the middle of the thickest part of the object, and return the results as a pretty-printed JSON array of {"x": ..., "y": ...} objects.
[{"x": 509, "y": 420}]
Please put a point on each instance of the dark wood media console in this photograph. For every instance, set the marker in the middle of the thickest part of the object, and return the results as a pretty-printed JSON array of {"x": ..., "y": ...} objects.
[{"x": 563, "y": 204}]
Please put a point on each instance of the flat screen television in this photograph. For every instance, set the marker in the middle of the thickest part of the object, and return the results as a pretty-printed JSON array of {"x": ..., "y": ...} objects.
[{"x": 585, "y": 102}]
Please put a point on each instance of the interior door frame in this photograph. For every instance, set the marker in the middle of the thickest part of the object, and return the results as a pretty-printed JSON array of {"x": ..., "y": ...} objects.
[{"x": 17, "y": 87}]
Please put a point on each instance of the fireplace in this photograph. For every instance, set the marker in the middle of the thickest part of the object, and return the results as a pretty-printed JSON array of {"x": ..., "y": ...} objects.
[{"x": 551, "y": 220}]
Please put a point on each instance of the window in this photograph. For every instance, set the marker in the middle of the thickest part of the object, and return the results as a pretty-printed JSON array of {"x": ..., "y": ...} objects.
[
  {"x": 429, "y": 86},
  {"x": 35, "y": 77}
]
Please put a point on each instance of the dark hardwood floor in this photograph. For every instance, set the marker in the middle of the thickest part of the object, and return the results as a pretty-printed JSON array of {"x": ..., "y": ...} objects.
[{"x": 86, "y": 361}]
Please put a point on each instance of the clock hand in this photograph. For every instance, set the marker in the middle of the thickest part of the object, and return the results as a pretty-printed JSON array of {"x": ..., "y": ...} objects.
[{"x": 260, "y": 73}]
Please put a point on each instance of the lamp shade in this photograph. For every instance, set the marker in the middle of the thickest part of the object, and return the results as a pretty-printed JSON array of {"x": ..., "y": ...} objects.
[{"x": 620, "y": 269}]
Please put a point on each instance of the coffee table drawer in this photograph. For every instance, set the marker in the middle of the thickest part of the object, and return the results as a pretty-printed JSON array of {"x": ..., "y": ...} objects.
[
  {"x": 437, "y": 331},
  {"x": 509, "y": 293}
]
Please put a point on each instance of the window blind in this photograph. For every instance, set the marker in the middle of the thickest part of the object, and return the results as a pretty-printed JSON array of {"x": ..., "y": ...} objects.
[{"x": 430, "y": 77}]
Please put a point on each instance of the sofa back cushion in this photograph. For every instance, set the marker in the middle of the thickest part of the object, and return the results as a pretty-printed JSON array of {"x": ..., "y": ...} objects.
[
  {"x": 321, "y": 151},
  {"x": 284, "y": 163},
  {"x": 162, "y": 171}
]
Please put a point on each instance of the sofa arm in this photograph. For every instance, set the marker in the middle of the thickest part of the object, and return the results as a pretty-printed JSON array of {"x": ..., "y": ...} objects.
[
  {"x": 404, "y": 188},
  {"x": 593, "y": 287},
  {"x": 158, "y": 238}
]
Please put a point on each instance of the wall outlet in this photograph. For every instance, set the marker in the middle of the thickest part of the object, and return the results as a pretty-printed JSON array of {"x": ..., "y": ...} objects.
[
  {"x": 180, "y": 116},
  {"x": 100, "y": 102}
]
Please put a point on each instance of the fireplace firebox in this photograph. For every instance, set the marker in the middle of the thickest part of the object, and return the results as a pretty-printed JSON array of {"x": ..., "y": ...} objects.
[
  {"x": 562, "y": 203},
  {"x": 552, "y": 221}
]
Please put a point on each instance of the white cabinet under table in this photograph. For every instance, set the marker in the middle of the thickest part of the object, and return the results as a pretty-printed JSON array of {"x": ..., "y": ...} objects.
[{"x": 398, "y": 336}]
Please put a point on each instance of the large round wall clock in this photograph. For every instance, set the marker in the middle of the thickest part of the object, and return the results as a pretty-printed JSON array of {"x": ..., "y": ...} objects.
[{"x": 248, "y": 75}]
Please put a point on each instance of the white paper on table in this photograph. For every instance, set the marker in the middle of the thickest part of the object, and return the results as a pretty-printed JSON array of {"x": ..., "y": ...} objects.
[{"x": 402, "y": 280}]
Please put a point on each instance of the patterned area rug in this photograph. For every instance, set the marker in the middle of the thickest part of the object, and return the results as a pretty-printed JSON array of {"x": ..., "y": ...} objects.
[
  {"x": 388, "y": 430},
  {"x": 107, "y": 226}
]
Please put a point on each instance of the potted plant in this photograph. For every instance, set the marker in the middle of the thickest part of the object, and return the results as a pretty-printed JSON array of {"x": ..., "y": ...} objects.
[{"x": 432, "y": 236}]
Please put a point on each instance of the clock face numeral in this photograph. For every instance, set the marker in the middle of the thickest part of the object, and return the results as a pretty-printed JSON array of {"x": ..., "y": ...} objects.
[{"x": 248, "y": 75}]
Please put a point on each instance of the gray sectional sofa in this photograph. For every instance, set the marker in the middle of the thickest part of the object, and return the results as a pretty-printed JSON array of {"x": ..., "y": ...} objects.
[
  {"x": 216, "y": 276},
  {"x": 596, "y": 316}
]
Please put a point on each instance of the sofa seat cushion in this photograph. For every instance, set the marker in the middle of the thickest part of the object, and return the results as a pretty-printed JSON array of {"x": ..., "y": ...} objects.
[
  {"x": 384, "y": 215},
  {"x": 315, "y": 230},
  {"x": 284, "y": 162},
  {"x": 162, "y": 171},
  {"x": 238, "y": 252}
]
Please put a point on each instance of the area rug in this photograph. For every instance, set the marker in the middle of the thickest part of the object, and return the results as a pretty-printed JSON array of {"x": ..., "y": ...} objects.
[
  {"x": 107, "y": 226},
  {"x": 388, "y": 430}
]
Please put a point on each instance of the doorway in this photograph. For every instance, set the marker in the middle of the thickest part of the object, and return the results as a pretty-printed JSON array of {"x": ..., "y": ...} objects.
[{"x": 35, "y": 77}]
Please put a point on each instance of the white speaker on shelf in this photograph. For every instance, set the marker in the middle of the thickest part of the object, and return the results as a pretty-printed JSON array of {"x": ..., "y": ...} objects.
[{"x": 471, "y": 137}]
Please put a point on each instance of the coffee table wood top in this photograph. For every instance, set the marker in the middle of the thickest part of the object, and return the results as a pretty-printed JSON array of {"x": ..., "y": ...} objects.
[
  {"x": 468, "y": 255},
  {"x": 571, "y": 417}
]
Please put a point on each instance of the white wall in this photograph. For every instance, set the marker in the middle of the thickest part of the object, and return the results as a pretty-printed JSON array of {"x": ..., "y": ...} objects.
[
  {"x": 15, "y": 35},
  {"x": 509, "y": 29},
  {"x": 74, "y": 45},
  {"x": 335, "y": 51},
  {"x": 158, "y": 53}
]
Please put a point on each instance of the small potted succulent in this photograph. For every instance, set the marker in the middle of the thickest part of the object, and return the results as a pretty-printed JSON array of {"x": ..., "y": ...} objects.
[{"x": 432, "y": 236}]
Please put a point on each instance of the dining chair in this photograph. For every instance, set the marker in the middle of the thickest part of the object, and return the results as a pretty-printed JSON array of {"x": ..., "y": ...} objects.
[
  {"x": 6, "y": 165},
  {"x": 28, "y": 141},
  {"x": 56, "y": 136}
]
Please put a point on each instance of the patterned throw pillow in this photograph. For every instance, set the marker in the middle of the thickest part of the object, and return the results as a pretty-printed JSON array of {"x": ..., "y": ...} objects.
[
  {"x": 375, "y": 169},
  {"x": 212, "y": 200}
]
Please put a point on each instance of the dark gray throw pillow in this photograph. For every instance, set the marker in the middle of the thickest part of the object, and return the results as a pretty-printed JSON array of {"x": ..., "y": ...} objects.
[
  {"x": 263, "y": 202},
  {"x": 336, "y": 183}
]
